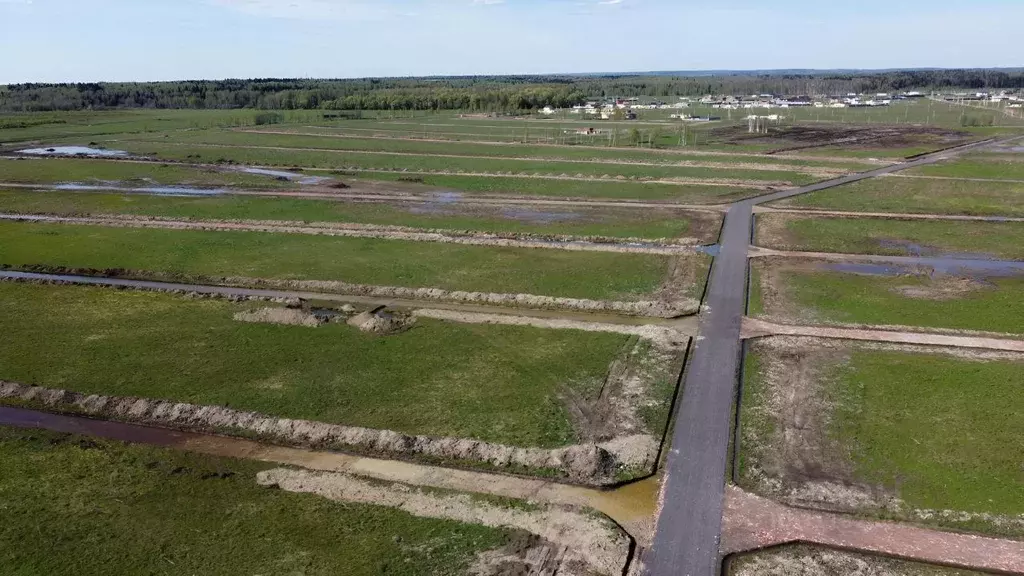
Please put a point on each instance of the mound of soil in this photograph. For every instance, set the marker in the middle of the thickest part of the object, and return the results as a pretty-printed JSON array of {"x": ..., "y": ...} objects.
[
  {"x": 286, "y": 316},
  {"x": 381, "y": 322}
]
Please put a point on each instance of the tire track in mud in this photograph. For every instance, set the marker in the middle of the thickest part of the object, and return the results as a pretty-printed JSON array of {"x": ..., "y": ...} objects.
[
  {"x": 889, "y": 215},
  {"x": 753, "y": 328},
  {"x": 752, "y": 523},
  {"x": 663, "y": 247}
]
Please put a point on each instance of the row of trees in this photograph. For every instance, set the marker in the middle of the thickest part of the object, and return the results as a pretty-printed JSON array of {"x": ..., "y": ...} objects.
[{"x": 472, "y": 93}]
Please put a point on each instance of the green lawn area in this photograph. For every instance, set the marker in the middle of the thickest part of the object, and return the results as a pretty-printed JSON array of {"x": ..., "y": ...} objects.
[
  {"x": 188, "y": 253},
  {"x": 92, "y": 507},
  {"x": 489, "y": 382},
  {"x": 341, "y": 159},
  {"x": 649, "y": 223},
  {"x": 127, "y": 174},
  {"x": 975, "y": 167},
  {"x": 1000, "y": 240},
  {"x": 919, "y": 196},
  {"x": 942, "y": 432},
  {"x": 992, "y": 304}
]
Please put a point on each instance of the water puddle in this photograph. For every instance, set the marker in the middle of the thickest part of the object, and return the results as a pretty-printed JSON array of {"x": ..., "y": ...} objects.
[
  {"x": 976, "y": 269},
  {"x": 283, "y": 175},
  {"x": 159, "y": 190},
  {"x": 867, "y": 269},
  {"x": 922, "y": 251},
  {"x": 710, "y": 249},
  {"x": 74, "y": 151},
  {"x": 446, "y": 197}
]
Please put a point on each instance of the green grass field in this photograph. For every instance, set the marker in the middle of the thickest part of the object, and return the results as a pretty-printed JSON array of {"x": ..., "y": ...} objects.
[
  {"x": 1003, "y": 240},
  {"x": 347, "y": 160},
  {"x": 495, "y": 383},
  {"x": 189, "y": 253},
  {"x": 960, "y": 417},
  {"x": 990, "y": 304},
  {"x": 650, "y": 223},
  {"x": 127, "y": 174},
  {"x": 982, "y": 166},
  {"x": 76, "y": 505},
  {"x": 917, "y": 196}
]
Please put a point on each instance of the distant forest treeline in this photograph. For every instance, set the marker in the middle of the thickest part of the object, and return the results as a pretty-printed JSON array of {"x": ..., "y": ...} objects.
[{"x": 472, "y": 93}]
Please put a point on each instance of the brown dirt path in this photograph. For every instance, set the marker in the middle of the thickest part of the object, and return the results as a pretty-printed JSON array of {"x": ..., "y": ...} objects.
[
  {"x": 753, "y": 328},
  {"x": 925, "y": 177},
  {"x": 751, "y": 523},
  {"x": 892, "y": 215},
  {"x": 626, "y": 246}
]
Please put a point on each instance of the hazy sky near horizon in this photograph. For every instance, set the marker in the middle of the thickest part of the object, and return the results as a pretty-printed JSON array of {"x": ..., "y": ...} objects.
[{"x": 124, "y": 40}]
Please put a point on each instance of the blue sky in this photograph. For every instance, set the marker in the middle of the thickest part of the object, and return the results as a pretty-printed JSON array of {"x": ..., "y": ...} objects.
[{"x": 94, "y": 40}]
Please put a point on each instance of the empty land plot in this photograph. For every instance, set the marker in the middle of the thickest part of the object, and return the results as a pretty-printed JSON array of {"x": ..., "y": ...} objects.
[
  {"x": 581, "y": 189},
  {"x": 917, "y": 196},
  {"x": 802, "y": 560},
  {"x": 581, "y": 221},
  {"x": 301, "y": 139},
  {"x": 348, "y": 160},
  {"x": 104, "y": 507},
  {"x": 918, "y": 434},
  {"x": 127, "y": 174},
  {"x": 810, "y": 292},
  {"x": 844, "y": 139},
  {"x": 980, "y": 240},
  {"x": 199, "y": 255},
  {"x": 667, "y": 223},
  {"x": 504, "y": 384},
  {"x": 987, "y": 166}
]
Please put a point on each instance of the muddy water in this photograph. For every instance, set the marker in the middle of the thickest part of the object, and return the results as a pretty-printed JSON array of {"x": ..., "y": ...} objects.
[
  {"x": 159, "y": 190},
  {"x": 633, "y": 506},
  {"x": 939, "y": 265},
  {"x": 292, "y": 176},
  {"x": 73, "y": 151}
]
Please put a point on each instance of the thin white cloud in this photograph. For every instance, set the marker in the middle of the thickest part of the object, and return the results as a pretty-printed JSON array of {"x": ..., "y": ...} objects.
[
  {"x": 346, "y": 10},
  {"x": 609, "y": 2},
  {"x": 487, "y": 2}
]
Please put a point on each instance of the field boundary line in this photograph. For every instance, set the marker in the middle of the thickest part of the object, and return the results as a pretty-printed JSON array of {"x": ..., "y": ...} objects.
[
  {"x": 754, "y": 328},
  {"x": 889, "y": 215}
]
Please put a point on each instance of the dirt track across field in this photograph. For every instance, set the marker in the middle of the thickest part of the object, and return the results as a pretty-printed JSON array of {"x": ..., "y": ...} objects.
[
  {"x": 752, "y": 523},
  {"x": 753, "y": 328}
]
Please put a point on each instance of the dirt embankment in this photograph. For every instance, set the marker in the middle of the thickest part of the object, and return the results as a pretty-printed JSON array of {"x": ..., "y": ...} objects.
[
  {"x": 571, "y": 542},
  {"x": 656, "y": 308},
  {"x": 591, "y": 464}
]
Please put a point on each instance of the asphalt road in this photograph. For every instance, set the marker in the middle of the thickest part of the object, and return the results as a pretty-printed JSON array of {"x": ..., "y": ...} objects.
[{"x": 689, "y": 526}]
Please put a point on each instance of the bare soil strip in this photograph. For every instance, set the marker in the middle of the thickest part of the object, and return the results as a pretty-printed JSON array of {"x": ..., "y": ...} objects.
[
  {"x": 753, "y": 328},
  {"x": 586, "y": 464},
  {"x": 768, "y": 167},
  {"x": 356, "y": 194},
  {"x": 891, "y": 215},
  {"x": 683, "y": 325},
  {"x": 592, "y": 545},
  {"x": 411, "y": 136},
  {"x": 752, "y": 523},
  {"x": 571, "y": 243},
  {"x": 663, "y": 335},
  {"x": 760, "y": 252}
]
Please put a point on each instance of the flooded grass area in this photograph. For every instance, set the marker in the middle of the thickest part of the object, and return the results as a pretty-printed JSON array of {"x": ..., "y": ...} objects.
[
  {"x": 188, "y": 253},
  {"x": 500, "y": 384},
  {"x": 852, "y": 293},
  {"x": 941, "y": 239},
  {"x": 87, "y": 506},
  {"x": 804, "y": 560},
  {"x": 88, "y": 172},
  {"x": 576, "y": 221},
  {"x": 917, "y": 196},
  {"x": 906, "y": 433}
]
